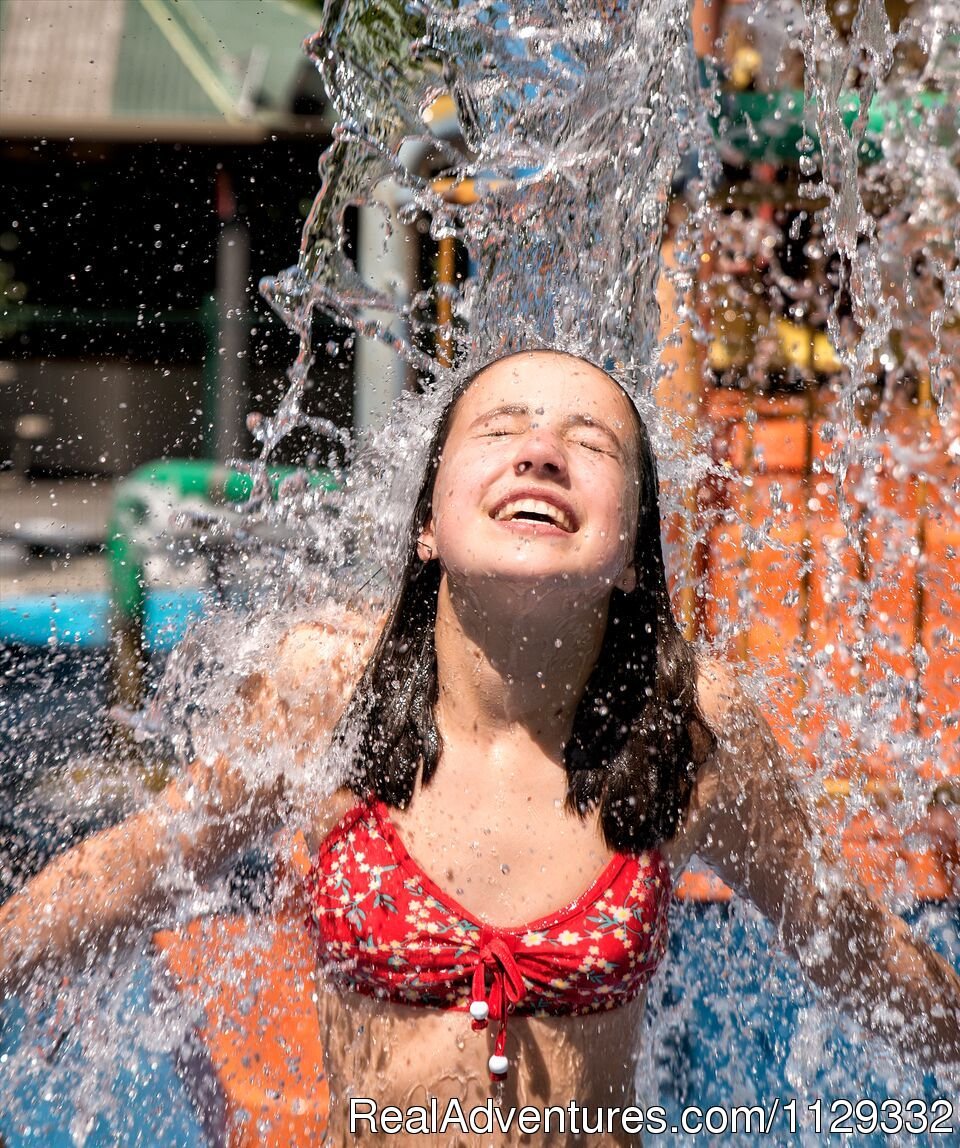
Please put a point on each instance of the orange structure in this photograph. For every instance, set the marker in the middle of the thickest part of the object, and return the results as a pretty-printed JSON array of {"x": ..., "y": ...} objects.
[
  {"x": 776, "y": 533},
  {"x": 257, "y": 1072}
]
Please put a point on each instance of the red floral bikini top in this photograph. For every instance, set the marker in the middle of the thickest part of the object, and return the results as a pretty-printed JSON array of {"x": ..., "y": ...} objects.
[{"x": 385, "y": 929}]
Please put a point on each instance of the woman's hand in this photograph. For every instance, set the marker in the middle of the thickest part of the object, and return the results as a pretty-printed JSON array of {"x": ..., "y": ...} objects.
[{"x": 748, "y": 821}]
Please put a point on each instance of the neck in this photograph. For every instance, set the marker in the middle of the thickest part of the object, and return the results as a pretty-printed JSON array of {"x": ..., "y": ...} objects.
[{"x": 517, "y": 667}]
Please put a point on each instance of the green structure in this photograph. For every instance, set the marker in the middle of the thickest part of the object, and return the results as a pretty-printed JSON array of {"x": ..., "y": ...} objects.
[
  {"x": 133, "y": 529},
  {"x": 152, "y": 68}
]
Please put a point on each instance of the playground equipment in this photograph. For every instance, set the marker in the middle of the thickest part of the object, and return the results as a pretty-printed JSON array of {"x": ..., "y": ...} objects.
[{"x": 156, "y": 511}]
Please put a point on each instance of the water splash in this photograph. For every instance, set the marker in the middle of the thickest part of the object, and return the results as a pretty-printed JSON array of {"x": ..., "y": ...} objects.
[{"x": 573, "y": 123}]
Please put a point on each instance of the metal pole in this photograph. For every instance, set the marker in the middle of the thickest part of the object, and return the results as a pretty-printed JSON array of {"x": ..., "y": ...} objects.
[
  {"x": 387, "y": 262},
  {"x": 233, "y": 275}
]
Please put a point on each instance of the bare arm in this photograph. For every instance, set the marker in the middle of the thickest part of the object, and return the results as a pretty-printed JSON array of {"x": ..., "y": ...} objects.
[
  {"x": 748, "y": 821},
  {"x": 88, "y": 893},
  {"x": 118, "y": 878}
]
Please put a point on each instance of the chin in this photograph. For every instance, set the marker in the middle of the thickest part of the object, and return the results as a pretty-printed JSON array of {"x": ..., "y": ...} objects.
[{"x": 532, "y": 577}]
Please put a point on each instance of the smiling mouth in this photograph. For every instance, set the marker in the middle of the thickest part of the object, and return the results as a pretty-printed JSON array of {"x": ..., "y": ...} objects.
[{"x": 535, "y": 510}]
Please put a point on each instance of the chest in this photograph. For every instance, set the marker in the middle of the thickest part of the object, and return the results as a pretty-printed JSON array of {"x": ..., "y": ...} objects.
[
  {"x": 508, "y": 852},
  {"x": 387, "y": 928}
]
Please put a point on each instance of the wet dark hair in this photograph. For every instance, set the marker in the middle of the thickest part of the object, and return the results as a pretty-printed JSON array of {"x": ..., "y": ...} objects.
[{"x": 631, "y": 750}]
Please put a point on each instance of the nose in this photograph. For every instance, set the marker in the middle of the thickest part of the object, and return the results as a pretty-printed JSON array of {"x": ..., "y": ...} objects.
[{"x": 540, "y": 452}]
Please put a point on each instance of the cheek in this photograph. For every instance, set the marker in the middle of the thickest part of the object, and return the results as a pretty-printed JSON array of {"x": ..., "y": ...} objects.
[
  {"x": 454, "y": 497},
  {"x": 620, "y": 503},
  {"x": 458, "y": 487},
  {"x": 447, "y": 504},
  {"x": 627, "y": 517}
]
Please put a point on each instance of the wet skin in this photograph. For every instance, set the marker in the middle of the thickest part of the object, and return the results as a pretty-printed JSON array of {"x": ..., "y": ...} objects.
[
  {"x": 532, "y": 526},
  {"x": 398, "y": 1054},
  {"x": 491, "y": 826},
  {"x": 536, "y": 426},
  {"x": 534, "y": 515}
]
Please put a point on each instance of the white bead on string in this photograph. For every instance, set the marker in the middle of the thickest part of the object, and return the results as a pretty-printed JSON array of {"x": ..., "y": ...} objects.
[{"x": 479, "y": 1010}]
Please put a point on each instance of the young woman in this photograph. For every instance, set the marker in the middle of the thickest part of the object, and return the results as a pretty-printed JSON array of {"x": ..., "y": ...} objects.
[{"x": 537, "y": 752}]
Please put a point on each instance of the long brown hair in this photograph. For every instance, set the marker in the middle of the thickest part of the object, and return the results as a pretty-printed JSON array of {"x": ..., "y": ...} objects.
[{"x": 630, "y": 750}]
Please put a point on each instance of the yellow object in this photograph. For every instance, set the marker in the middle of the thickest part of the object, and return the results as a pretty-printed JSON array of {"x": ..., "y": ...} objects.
[
  {"x": 825, "y": 360},
  {"x": 746, "y": 66},
  {"x": 442, "y": 108},
  {"x": 720, "y": 357},
  {"x": 795, "y": 343},
  {"x": 456, "y": 191}
]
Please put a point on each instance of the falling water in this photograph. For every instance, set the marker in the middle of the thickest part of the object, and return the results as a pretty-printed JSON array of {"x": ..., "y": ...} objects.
[
  {"x": 573, "y": 123},
  {"x": 574, "y": 120}
]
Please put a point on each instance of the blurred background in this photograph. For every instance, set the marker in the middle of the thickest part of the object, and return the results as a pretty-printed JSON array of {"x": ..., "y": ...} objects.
[{"x": 159, "y": 158}]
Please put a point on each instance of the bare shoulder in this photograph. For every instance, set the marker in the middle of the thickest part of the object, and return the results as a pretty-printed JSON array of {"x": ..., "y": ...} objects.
[
  {"x": 327, "y": 815},
  {"x": 716, "y": 697},
  {"x": 748, "y": 756},
  {"x": 740, "y": 731},
  {"x": 336, "y": 641},
  {"x": 317, "y": 665},
  {"x": 718, "y": 691},
  {"x": 302, "y": 679}
]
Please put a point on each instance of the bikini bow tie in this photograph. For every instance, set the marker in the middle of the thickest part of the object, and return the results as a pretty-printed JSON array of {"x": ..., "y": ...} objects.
[{"x": 506, "y": 989}]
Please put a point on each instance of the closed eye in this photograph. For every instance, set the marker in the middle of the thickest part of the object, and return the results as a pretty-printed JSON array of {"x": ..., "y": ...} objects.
[
  {"x": 501, "y": 426},
  {"x": 597, "y": 447}
]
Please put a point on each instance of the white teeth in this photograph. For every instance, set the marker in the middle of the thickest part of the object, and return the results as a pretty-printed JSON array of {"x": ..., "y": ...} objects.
[{"x": 535, "y": 506}]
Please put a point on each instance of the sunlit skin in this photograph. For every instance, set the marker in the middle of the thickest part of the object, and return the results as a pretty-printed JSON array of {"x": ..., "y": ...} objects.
[
  {"x": 521, "y": 614},
  {"x": 523, "y": 604},
  {"x": 520, "y": 617},
  {"x": 547, "y": 426}
]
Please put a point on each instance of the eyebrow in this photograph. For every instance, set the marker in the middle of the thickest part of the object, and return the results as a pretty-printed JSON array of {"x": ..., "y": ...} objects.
[
  {"x": 574, "y": 420},
  {"x": 505, "y": 409}
]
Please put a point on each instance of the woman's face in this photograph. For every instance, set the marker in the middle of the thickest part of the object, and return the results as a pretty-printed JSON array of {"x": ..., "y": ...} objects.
[{"x": 538, "y": 479}]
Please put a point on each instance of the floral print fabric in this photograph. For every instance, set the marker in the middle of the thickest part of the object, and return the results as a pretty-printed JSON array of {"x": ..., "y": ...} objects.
[{"x": 385, "y": 929}]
